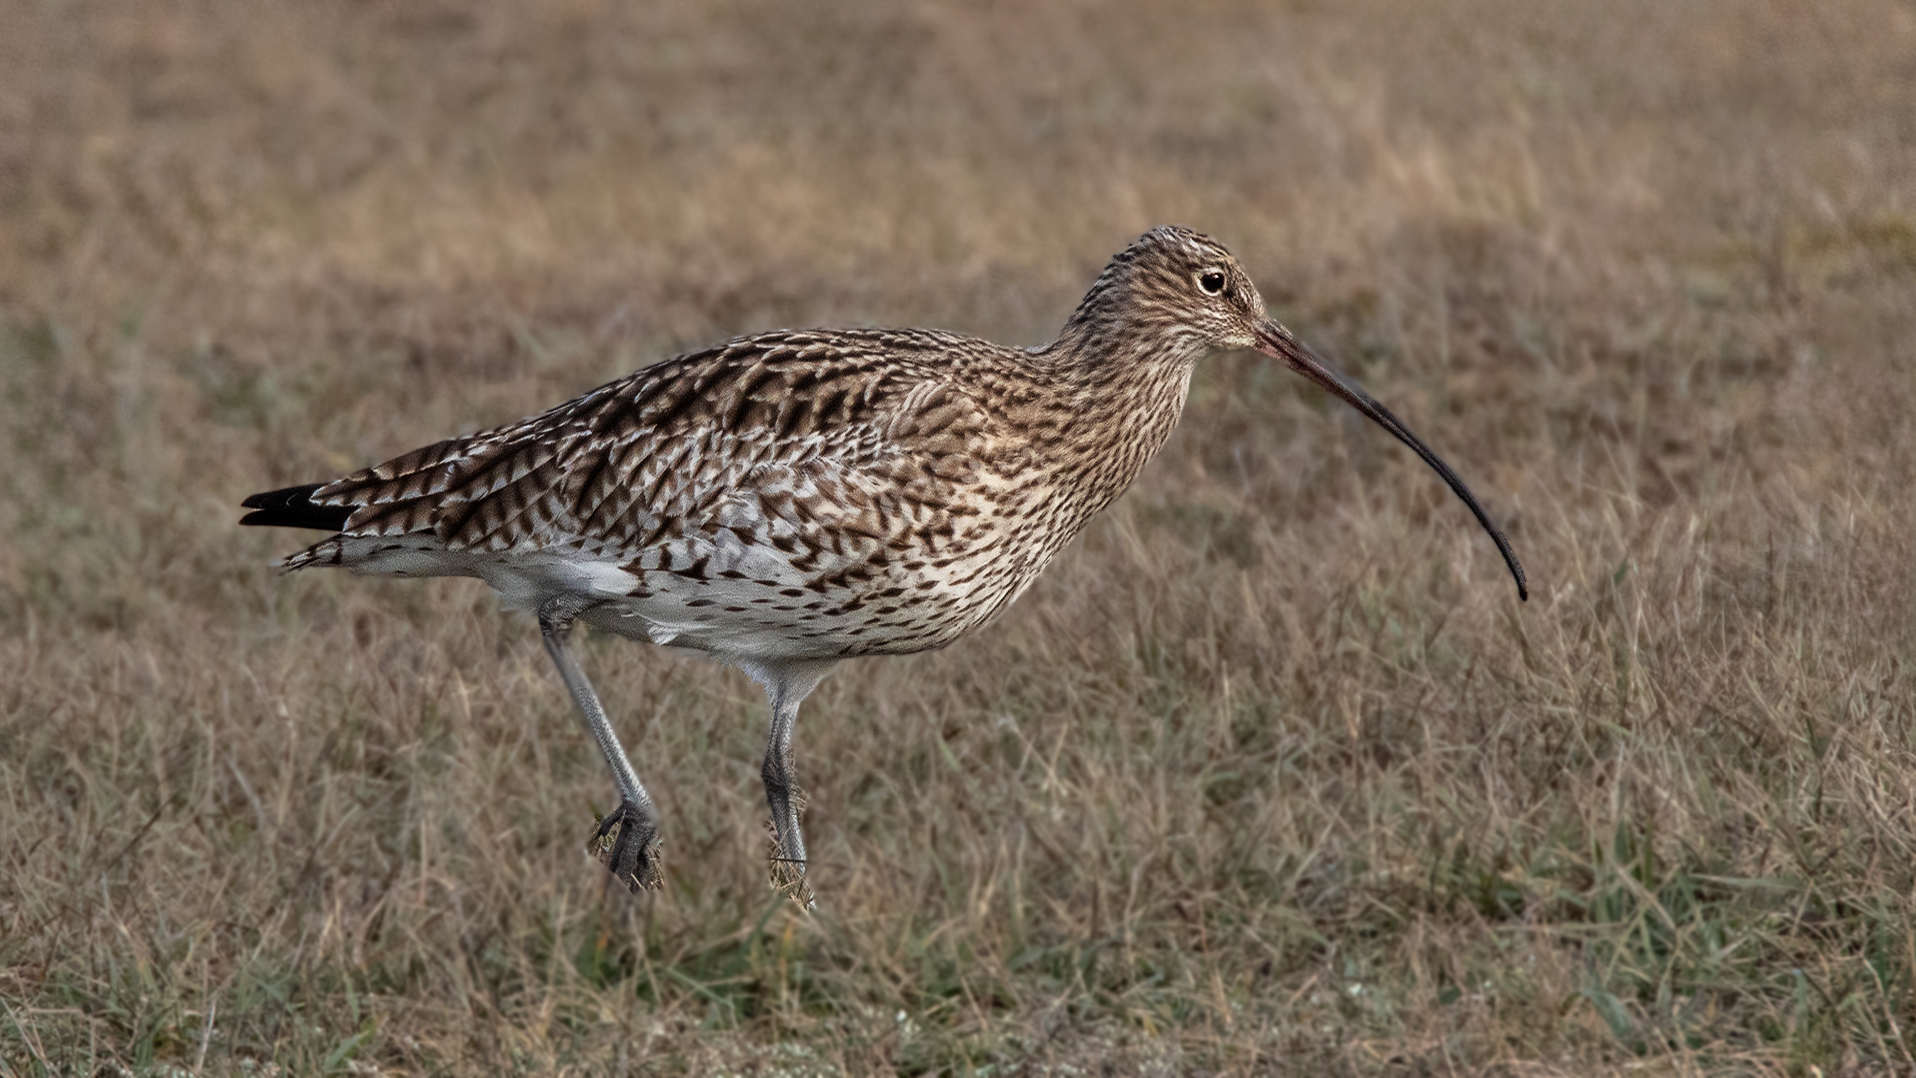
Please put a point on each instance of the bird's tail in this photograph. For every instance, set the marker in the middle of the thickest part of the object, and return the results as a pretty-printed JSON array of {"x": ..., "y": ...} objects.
[{"x": 294, "y": 507}]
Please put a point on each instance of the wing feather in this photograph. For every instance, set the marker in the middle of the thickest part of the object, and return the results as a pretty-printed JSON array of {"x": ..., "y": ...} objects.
[{"x": 793, "y": 439}]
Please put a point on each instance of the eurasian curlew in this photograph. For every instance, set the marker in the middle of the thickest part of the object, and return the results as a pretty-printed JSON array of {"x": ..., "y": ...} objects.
[{"x": 787, "y": 500}]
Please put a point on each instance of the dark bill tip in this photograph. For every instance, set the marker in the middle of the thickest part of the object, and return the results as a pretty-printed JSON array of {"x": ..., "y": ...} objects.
[{"x": 1275, "y": 341}]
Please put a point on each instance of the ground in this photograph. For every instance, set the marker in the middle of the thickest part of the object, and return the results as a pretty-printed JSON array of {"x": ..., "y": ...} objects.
[{"x": 1270, "y": 773}]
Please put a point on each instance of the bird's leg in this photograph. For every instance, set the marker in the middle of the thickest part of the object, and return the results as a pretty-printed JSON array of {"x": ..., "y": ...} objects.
[
  {"x": 787, "y": 685},
  {"x": 633, "y": 855},
  {"x": 788, "y": 842}
]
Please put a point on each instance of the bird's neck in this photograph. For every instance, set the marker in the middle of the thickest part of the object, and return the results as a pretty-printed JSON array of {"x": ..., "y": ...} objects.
[{"x": 1119, "y": 393}]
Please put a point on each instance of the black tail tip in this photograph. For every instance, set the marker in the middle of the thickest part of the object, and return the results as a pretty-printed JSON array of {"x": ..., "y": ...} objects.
[{"x": 293, "y": 508}]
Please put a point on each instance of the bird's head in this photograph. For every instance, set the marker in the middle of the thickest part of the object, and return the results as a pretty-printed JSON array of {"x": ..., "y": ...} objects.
[
  {"x": 1185, "y": 294},
  {"x": 1176, "y": 290}
]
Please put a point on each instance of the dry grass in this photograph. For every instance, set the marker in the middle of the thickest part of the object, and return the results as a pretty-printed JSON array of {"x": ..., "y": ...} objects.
[{"x": 1270, "y": 773}]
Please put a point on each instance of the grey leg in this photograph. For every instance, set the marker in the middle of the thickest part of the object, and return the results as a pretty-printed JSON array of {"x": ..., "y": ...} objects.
[
  {"x": 634, "y": 853},
  {"x": 787, "y": 685}
]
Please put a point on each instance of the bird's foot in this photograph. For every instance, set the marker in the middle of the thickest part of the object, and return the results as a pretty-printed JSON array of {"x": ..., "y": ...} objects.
[
  {"x": 787, "y": 860},
  {"x": 633, "y": 853}
]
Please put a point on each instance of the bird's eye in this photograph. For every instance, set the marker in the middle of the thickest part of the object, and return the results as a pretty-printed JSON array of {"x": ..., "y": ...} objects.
[{"x": 1212, "y": 282}]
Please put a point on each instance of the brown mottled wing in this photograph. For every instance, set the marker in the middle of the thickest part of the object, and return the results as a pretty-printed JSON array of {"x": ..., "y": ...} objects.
[{"x": 843, "y": 433}]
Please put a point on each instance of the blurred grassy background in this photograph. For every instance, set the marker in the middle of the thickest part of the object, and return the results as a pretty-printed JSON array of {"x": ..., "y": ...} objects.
[{"x": 1270, "y": 773}]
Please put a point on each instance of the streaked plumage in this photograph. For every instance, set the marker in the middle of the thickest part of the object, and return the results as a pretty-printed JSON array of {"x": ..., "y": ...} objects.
[{"x": 789, "y": 499}]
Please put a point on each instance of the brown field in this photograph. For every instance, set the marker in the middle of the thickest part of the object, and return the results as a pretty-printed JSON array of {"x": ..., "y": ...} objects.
[{"x": 1271, "y": 773}]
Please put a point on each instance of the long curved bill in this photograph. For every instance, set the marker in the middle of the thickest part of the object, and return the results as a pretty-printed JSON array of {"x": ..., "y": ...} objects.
[{"x": 1275, "y": 341}]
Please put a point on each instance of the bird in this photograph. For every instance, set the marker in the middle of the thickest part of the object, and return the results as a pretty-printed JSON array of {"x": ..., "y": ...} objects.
[{"x": 787, "y": 500}]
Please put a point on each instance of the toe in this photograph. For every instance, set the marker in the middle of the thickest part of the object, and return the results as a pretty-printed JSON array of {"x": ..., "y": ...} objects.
[
  {"x": 635, "y": 859},
  {"x": 631, "y": 852}
]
